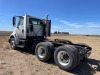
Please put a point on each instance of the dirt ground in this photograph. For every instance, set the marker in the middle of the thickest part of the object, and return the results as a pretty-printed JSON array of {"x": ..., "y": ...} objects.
[{"x": 19, "y": 62}]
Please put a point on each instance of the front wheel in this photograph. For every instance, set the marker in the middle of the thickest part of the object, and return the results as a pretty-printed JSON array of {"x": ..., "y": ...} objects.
[{"x": 12, "y": 43}]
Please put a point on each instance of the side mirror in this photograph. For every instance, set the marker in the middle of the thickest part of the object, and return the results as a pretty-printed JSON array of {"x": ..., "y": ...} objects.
[{"x": 14, "y": 21}]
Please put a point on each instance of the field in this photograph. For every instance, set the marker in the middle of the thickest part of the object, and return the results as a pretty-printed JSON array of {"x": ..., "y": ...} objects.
[
  {"x": 5, "y": 33},
  {"x": 20, "y": 62}
]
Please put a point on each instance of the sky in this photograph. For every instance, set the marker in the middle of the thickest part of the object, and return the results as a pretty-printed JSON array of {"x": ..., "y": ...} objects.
[{"x": 73, "y": 16}]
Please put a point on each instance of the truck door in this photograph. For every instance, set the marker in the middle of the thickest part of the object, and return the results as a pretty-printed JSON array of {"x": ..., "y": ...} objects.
[{"x": 20, "y": 28}]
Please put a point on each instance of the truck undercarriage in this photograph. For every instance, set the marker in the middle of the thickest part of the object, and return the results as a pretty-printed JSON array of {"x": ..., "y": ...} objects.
[{"x": 45, "y": 49}]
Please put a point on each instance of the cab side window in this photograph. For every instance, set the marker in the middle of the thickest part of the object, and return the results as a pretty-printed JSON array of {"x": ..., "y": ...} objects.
[{"x": 34, "y": 21}]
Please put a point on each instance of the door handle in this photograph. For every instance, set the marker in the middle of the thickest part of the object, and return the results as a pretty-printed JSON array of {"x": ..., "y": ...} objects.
[
  {"x": 17, "y": 27},
  {"x": 22, "y": 30}
]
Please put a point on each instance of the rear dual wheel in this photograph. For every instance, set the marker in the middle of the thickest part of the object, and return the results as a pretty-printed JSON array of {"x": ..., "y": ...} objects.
[
  {"x": 66, "y": 57},
  {"x": 43, "y": 51}
]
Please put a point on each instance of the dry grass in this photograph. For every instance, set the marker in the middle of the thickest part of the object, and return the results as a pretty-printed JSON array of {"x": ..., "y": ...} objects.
[
  {"x": 13, "y": 62},
  {"x": 4, "y": 42}
]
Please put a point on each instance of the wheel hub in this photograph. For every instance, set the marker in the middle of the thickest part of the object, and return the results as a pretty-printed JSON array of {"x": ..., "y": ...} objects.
[
  {"x": 63, "y": 58},
  {"x": 12, "y": 44},
  {"x": 41, "y": 52}
]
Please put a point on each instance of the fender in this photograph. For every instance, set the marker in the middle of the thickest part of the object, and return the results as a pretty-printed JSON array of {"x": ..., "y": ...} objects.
[{"x": 14, "y": 35}]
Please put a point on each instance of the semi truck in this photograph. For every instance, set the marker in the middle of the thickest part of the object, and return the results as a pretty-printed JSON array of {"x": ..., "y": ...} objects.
[{"x": 31, "y": 32}]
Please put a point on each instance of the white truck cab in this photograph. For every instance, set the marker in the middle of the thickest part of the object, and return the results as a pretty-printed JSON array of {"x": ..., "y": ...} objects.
[{"x": 29, "y": 27}]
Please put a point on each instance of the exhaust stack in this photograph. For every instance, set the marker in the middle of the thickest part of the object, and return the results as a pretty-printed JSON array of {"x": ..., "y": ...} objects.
[{"x": 46, "y": 19}]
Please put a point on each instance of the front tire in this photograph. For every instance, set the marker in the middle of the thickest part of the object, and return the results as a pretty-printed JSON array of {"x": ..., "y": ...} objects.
[{"x": 13, "y": 44}]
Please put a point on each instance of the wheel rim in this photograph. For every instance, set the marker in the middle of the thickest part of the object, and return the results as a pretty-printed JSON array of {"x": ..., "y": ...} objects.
[
  {"x": 41, "y": 52},
  {"x": 63, "y": 58},
  {"x": 12, "y": 43}
]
